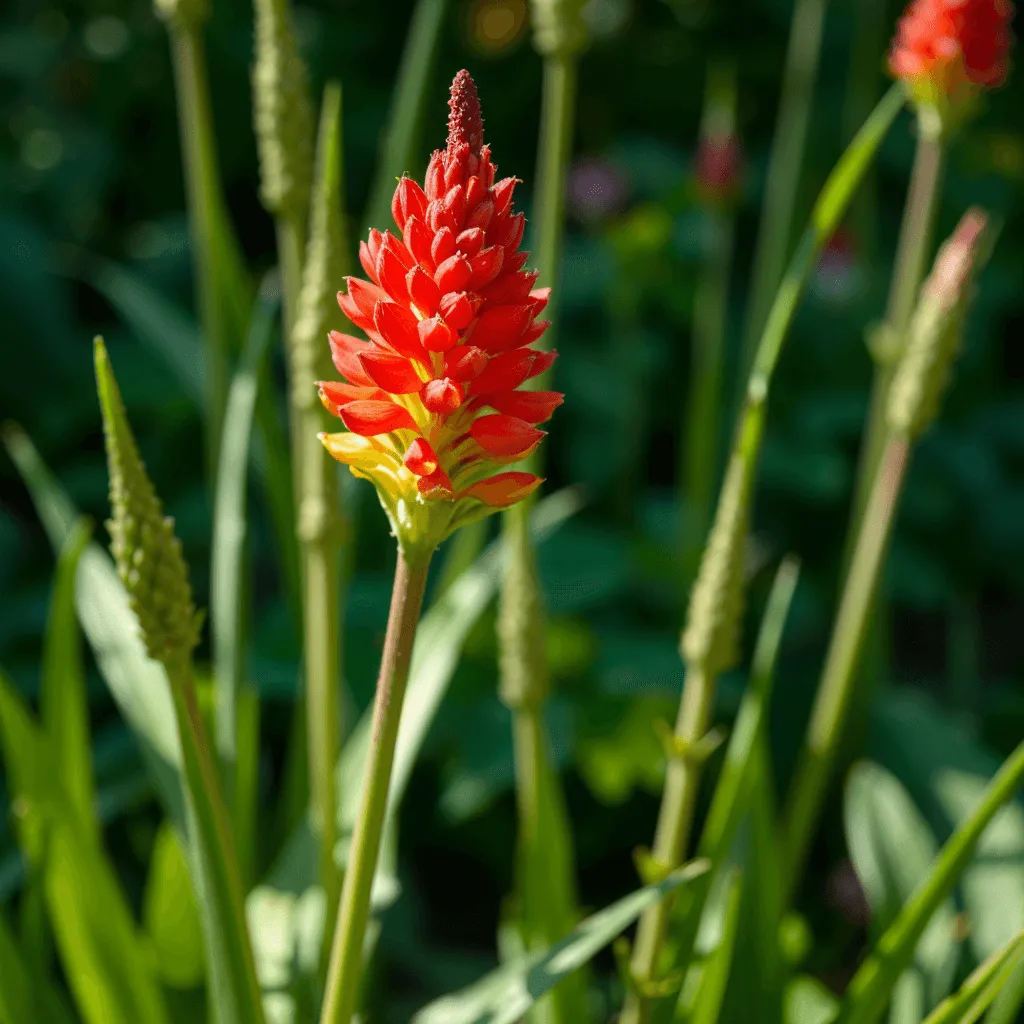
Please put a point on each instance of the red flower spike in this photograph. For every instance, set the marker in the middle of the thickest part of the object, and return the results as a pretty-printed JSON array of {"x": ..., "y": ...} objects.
[
  {"x": 370, "y": 418},
  {"x": 393, "y": 373},
  {"x": 436, "y": 335},
  {"x": 531, "y": 406},
  {"x": 442, "y": 397},
  {"x": 505, "y": 436},
  {"x": 504, "y": 489},
  {"x": 947, "y": 51},
  {"x": 448, "y": 299},
  {"x": 420, "y": 458}
]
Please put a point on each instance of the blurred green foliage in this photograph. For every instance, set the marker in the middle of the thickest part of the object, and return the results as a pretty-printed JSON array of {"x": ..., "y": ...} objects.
[{"x": 90, "y": 171}]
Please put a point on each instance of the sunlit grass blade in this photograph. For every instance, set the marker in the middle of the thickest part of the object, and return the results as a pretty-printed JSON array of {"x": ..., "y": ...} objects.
[
  {"x": 872, "y": 985},
  {"x": 504, "y": 995},
  {"x": 983, "y": 985},
  {"x": 399, "y": 147},
  {"x": 228, "y": 611},
  {"x": 1006, "y": 1007},
  {"x": 64, "y": 705},
  {"x": 137, "y": 684},
  {"x": 98, "y": 942}
]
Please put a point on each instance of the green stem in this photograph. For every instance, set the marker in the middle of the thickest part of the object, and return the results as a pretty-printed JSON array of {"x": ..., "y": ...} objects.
[
  {"x": 345, "y": 970},
  {"x": 839, "y": 675},
  {"x": 699, "y": 474},
  {"x": 233, "y": 985},
  {"x": 782, "y": 185}
]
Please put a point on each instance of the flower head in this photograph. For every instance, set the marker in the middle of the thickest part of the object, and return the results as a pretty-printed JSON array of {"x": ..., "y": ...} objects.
[
  {"x": 949, "y": 51},
  {"x": 431, "y": 396}
]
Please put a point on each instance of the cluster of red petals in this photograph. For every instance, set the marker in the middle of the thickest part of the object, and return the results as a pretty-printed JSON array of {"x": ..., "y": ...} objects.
[
  {"x": 449, "y": 314},
  {"x": 933, "y": 34}
]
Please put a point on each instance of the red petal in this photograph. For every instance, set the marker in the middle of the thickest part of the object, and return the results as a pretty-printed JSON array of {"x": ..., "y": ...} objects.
[
  {"x": 437, "y": 486},
  {"x": 515, "y": 260},
  {"x": 481, "y": 216},
  {"x": 534, "y": 331},
  {"x": 457, "y": 310},
  {"x": 532, "y": 406},
  {"x": 475, "y": 190},
  {"x": 334, "y": 395},
  {"x": 436, "y": 335},
  {"x": 358, "y": 304},
  {"x": 398, "y": 327},
  {"x": 420, "y": 458},
  {"x": 505, "y": 436},
  {"x": 395, "y": 374},
  {"x": 501, "y": 193},
  {"x": 500, "y": 327},
  {"x": 486, "y": 266},
  {"x": 426, "y": 296},
  {"x": 434, "y": 178},
  {"x": 465, "y": 362},
  {"x": 504, "y": 489},
  {"x": 540, "y": 297},
  {"x": 453, "y": 275},
  {"x": 368, "y": 254},
  {"x": 470, "y": 242},
  {"x": 417, "y": 240},
  {"x": 455, "y": 165},
  {"x": 393, "y": 262},
  {"x": 510, "y": 289},
  {"x": 454, "y": 203},
  {"x": 409, "y": 201},
  {"x": 442, "y": 246},
  {"x": 505, "y": 371},
  {"x": 370, "y": 418},
  {"x": 512, "y": 235},
  {"x": 542, "y": 361},
  {"x": 345, "y": 352},
  {"x": 441, "y": 396}
]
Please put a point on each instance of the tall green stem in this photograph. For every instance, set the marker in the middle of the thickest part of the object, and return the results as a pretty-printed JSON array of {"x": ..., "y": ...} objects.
[
  {"x": 837, "y": 681},
  {"x": 782, "y": 185},
  {"x": 345, "y": 970}
]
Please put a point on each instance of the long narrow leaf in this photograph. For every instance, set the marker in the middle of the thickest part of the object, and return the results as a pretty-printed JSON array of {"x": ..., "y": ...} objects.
[
  {"x": 504, "y": 995},
  {"x": 715, "y": 974},
  {"x": 981, "y": 988},
  {"x": 64, "y": 704},
  {"x": 871, "y": 987},
  {"x": 24, "y": 995}
]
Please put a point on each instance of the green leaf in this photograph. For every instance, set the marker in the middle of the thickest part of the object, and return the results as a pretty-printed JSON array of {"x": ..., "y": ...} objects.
[
  {"x": 504, "y": 995},
  {"x": 984, "y": 984},
  {"x": 170, "y": 915},
  {"x": 399, "y": 149},
  {"x": 64, "y": 705},
  {"x": 872, "y": 985},
  {"x": 707, "y": 1004},
  {"x": 137, "y": 684},
  {"x": 892, "y": 848},
  {"x": 96, "y": 936},
  {"x": 24, "y": 995},
  {"x": 807, "y": 1001}
]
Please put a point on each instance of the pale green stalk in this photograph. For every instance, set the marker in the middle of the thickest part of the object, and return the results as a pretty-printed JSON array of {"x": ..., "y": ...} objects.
[
  {"x": 782, "y": 185},
  {"x": 344, "y": 974},
  {"x": 710, "y": 642}
]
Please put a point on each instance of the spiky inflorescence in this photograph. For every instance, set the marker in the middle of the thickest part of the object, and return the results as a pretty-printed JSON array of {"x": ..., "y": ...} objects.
[
  {"x": 948, "y": 51},
  {"x": 935, "y": 330},
  {"x": 145, "y": 548},
  {"x": 283, "y": 118},
  {"x": 432, "y": 400}
]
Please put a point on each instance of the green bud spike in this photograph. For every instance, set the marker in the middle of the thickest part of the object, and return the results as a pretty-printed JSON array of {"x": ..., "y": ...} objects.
[
  {"x": 559, "y": 28},
  {"x": 325, "y": 260},
  {"x": 523, "y": 663},
  {"x": 711, "y": 638},
  {"x": 145, "y": 549},
  {"x": 283, "y": 119},
  {"x": 934, "y": 335},
  {"x": 182, "y": 14}
]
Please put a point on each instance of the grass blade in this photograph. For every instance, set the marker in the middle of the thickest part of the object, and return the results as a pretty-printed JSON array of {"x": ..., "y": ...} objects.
[
  {"x": 63, "y": 702},
  {"x": 981, "y": 988},
  {"x": 504, "y": 995},
  {"x": 25, "y": 995},
  {"x": 873, "y": 983},
  {"x": 401, "y": 137},
  {"x": 707, "y": 1005}
]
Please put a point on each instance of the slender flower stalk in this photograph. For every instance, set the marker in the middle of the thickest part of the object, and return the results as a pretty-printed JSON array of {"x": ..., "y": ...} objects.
[
  {"x": 711, "y": 637},
  {"x": 932, "y": 342},
  {"x": 432, "y": 406},
  {"x": 717, "y": 176},
  {"x": 782, "y": 185}
]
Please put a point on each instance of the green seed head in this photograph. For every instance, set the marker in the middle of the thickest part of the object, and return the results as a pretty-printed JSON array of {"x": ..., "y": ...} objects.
[
  {"x": 934, "y": 335},
  {"x": 711, "y": 638},
  {"x": 145, "y": 549},
  {"x": 284, "y": 121},
  {"x": 559, "y": 28}
]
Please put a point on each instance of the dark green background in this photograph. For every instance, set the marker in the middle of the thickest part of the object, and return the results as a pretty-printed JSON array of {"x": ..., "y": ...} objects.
[{"x": 90, "y": 164}]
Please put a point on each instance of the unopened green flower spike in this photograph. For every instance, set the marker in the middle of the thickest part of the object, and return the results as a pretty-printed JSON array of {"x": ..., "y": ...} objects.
[
  {"x": 933, "y": 339},
  {"x": 145, "y": 548},
  {"x": 283, "y": 118},
  {"x": 559, "y": 28}
]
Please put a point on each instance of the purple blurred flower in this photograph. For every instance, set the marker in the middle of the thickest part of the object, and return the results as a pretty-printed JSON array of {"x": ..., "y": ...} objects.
[{"x": 596, "y": 189}]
